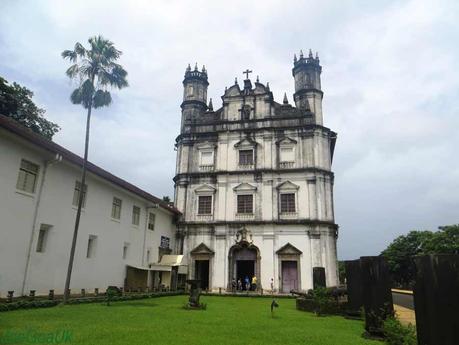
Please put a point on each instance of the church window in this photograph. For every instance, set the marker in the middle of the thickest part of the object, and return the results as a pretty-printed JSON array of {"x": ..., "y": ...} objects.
[
  {"x": 205, "y": 204},
  {"x": 245, "y": 157},
  {"x": 27, "y": 178},
  {"x": 286, "y": 154},
  {"x": 116, "y": 208},
  {"x": 42, "y": 238},
  {"x": 245, "y": 112},
  {"x": 91, "y": 250},
  {"x": 207, "y": 158},
  {"x": 135, "y": 215},
  {"x": 76, "y": 194},
  {"x": 287, "y": 203},
  {"x": 245, "y": 203},
  {"x": 151, "y": 221}
]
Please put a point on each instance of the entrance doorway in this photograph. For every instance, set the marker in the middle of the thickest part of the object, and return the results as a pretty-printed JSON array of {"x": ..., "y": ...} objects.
[
  {"x": 245, "y": 268},
  {"x": 289, "y": 276},
  {"x": 202, "y": 273}
]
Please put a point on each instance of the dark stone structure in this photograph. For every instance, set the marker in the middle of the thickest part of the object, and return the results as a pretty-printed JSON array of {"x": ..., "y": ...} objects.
[
  {"x": 318, "y": 277},
  {"x": 377, "y": 294},
  {"x": 195, "y": 293},
  {"x": 354, "y": 287},
  {"x": 436, "y": 299}
]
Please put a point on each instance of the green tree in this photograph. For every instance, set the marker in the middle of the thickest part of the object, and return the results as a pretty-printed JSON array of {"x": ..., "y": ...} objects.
[
  {"x": 16, "y": 102},
  {"x": 97, "y": 72},
  {"x": 401, "y": 251}
]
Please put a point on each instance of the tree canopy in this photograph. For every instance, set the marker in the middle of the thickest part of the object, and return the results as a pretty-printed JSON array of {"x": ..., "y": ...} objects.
[
  {"x": 16, "y": 102},
  {"x": 401, "y": 251}
]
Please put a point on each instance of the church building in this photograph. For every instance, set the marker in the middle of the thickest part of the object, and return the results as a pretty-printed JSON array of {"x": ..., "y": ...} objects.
[{"x": 254, "y": 183}]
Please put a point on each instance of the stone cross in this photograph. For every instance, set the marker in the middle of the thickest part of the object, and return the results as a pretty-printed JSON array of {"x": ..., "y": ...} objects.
[{"x": 246, "y": 72}]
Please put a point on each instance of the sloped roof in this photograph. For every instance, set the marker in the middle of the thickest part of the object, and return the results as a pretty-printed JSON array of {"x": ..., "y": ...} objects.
[{"x": 14, "y": 127}]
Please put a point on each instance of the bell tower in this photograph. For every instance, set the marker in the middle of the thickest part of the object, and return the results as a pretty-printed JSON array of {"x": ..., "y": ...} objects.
[
  {"x": 308, "y": 94},
  {"x": 194, "y": 93}
]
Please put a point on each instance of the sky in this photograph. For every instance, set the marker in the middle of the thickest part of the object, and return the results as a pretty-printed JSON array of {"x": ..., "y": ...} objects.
[{"x": 390, "y": 78}]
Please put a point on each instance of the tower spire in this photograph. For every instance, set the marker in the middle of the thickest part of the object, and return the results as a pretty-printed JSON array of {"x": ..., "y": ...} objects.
[
  {"x": 285, "y": 98},
  {"x": 210, "y": 106}
]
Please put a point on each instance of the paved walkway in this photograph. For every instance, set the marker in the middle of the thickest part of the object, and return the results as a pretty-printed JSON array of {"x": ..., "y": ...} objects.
[{"x": 405, "y": 315}]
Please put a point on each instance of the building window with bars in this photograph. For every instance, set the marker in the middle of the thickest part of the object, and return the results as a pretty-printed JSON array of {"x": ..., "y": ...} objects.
[
  {"x": 245, "y": 157},
  {"x": 116, "y": 208},
  {"x": 42, "y": 238},
  {"x": 135, "y": 215},
  {"x": 287, "y": 203},
  {"x": 245, "y": 204},
  {"x": 151, "y": 221},
  {"x": 91, "y": 250},
  {"x": 205, "y": 204},
  {"x": 27, "y": 177},
  {"x": 125, "y": 250},
  {"x": 76, "y": 194}
]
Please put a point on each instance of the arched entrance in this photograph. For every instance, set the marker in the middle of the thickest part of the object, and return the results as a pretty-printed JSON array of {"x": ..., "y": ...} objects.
[{"x": 244, "y": 261}]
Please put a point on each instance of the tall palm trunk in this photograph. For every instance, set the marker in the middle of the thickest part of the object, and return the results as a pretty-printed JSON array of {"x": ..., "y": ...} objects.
[{"x": 80, "y": 204}]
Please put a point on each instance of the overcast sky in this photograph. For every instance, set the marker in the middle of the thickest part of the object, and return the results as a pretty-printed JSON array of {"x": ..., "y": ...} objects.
[{"x": 390, "y": 77}]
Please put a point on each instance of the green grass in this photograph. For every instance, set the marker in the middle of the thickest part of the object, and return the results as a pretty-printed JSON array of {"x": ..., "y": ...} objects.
[{"x": 227, "y": 320}]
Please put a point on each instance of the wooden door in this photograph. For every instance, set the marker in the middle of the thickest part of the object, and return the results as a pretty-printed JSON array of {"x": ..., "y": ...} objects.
[{"x": 289, "y": 276}]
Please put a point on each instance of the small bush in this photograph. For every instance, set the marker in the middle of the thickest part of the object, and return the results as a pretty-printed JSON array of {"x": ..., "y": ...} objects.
[{"x": 398, "y": 334}]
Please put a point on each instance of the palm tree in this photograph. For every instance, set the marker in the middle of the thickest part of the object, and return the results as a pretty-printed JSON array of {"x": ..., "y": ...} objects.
[{"x": 96, "y": 71}]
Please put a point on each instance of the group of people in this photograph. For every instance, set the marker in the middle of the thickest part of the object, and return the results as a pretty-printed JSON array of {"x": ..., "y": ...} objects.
[{"x": 245, "y": 284}]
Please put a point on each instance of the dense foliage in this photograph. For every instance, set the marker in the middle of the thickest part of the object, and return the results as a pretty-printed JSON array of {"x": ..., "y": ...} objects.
[
  {"x": 16, "y": 102},
  {"x": 401, "y": 251},
  {"x": 398, "y": 334}
]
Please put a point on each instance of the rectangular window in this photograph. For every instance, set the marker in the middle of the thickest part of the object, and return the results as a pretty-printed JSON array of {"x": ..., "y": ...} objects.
[
  {"x": 135, "y": 215},
  {"x": 165, "y": 242},
  {"x": 245, "y": 203},
  {"x": 207, "y": 158},
  {"x": 42, "y": 238},
  {"x": 245, "y": 157},
  {"x": 151, "y": 221},
  {"x": 91, "y": 251},
  {"x": 205, "y": 204},
  {"x": 286, "y": 154},
  {"x": 27, "y": 177},
  {"x": 148, "y": 256},
  {"x": 76, "y": 193},
  {"x": 116, "y": 208},
  {"x": 125, "y": 250},
  {"x": 287, "y": 202}
]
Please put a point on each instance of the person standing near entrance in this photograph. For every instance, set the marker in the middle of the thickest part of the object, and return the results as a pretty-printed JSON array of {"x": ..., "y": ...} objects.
[
  {"x": 239, "y": 284},
  {"x": 233, "y": 285},
  {"x": 254, "y": 283},
  {"x": 247, "y": 283}
]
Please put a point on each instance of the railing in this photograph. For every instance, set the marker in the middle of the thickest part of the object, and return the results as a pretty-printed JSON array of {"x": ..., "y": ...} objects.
[
  {"x": 288, "y": 215},
  {"x": 245, "y": 216},
  {"x": 206, "y": 168},
  {"x": 203, "y": 217},
  {"x": 286, "y": 165},
  {"x": 245, "y": 166}
]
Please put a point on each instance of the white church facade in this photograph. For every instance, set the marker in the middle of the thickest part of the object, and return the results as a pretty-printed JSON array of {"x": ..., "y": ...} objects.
[
  {"x": 254, "y": 183},
  {"x": 253, "y": 197}
]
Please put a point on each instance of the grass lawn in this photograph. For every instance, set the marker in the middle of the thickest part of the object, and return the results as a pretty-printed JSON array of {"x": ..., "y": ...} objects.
[{"x": 227, "y": 320}]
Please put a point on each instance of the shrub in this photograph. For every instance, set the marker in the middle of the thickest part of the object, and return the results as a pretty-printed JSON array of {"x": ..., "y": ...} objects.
[{"x": 398, "y": 334}]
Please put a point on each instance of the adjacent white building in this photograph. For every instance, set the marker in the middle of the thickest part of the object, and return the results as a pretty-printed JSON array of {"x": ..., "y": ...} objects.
[
  {"x": 124, "y": 231},
  {"x": 254, "y": 183}
]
